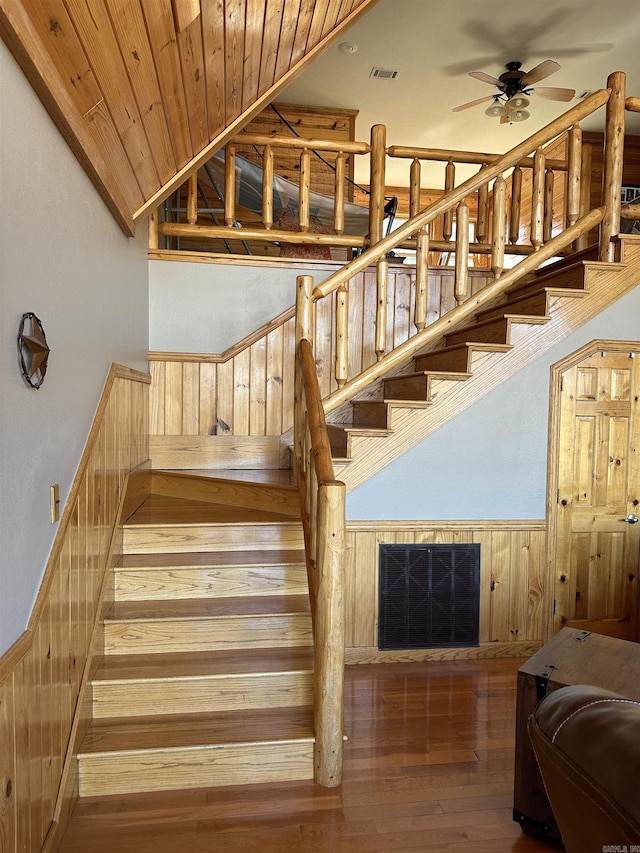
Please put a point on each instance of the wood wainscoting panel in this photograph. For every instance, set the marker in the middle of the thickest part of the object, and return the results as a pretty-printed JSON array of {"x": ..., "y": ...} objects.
[
  {"x": 248, "y": 390},
  {"x": 41, "y": 675},
  {"x": 513, "y": 584}
]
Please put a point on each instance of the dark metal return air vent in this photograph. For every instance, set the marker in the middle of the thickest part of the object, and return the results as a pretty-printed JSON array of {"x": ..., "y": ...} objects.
[{"x": 429, "y": 596}]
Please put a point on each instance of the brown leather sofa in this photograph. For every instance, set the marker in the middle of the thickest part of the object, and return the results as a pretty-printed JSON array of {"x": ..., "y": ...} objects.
[{"x": 587, "y": 743}]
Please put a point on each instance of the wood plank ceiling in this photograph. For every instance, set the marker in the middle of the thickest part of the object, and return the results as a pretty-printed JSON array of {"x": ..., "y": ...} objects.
[{"x": 145, "y": 90}]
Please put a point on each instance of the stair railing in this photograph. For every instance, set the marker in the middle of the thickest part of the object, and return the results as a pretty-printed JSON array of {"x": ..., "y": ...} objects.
[
  {"x": 492, "y": 174},
  {"x": 323, "y": 516}
]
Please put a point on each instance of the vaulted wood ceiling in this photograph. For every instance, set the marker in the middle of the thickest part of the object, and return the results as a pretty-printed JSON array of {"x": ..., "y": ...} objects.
[{"x": 144, "y": 90}]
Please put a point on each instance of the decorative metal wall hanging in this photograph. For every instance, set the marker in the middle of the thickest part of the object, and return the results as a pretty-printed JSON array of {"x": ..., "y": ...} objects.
[{"x": 33, "y": 350}]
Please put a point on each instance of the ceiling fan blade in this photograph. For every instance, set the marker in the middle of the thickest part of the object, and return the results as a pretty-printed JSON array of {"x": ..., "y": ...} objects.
[
  {"x": 554, "y": 93},
  {"x": 506, "y": 118},
  {"x": 466, "y": 106},
  {"x": 486, "y": 78},
  {"x": 544, "y": 69}
]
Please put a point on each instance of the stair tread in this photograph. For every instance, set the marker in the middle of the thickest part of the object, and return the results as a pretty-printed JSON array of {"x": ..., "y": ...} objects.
[
  {"x": 212, "y": 559},
  {"x": 204, "y": 608},
  {"x": 159, "y": 510},
  {"x": 480, "y": 346},
  {"x": 179, "y": 731},
  {"x": 203, "y": 664},
  {"x": 267, "y": 476},
  {"x": 437, "y": 374}
]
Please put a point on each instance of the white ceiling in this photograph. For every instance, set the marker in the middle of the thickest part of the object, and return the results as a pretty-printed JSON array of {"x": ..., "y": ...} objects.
[{"x": 434, "y": 43}]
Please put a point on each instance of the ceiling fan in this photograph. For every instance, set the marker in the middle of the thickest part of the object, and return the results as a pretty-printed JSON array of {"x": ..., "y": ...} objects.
[{"x": 514, "y": 88}]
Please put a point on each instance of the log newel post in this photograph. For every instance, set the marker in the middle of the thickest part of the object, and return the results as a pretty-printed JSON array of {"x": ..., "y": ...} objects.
[
  {"x": 329, "y": 638},
  {"x": 377, "y": 182},
  {"x": 230, "y": 185},
  {"x": 462, "y": 253},
  {"x": 267, "y": 187},
  {"x": 422, "y": 278},
  {"x": 612, "y": 174},
  {"x": 498, "y": 226},
  {"x": 342, "y": 313}
]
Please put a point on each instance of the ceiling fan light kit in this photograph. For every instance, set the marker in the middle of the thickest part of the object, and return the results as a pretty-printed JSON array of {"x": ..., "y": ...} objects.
[{"x": 514, "y": 90}]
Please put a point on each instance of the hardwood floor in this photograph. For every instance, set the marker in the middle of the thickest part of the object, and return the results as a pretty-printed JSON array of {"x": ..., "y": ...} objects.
[{"x": 428, "y": 767}]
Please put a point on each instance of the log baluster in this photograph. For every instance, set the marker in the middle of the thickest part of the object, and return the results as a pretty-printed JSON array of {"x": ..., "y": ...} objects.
[
  {"x": 574, "y": 174},
  {"x": 153, "y": 229},
  {"x": 382, "y": 271},
  {"x": 537, "y": 198},
  {"x": 585, "y": 192},
  {"x": 422, "y": 278},
  {"x": 230, "y": 185},
  {"x": 305, "y": 190},
  {"x": 461, "y": 290},
  {"x": 414, "y": 187},
  {"x": 516, "y": 198},
  {"x": 498, "y": 226},
  {"x": 547, "y": 226},
  {"x": 377, "y": 182},
  {"x": 449, "y": 183},
  {"x": 338, "y": 203},
  {"x": 267, "y": 187},
  {"x": 482, "y": 220},
  {"x": 192, "y": 199},
  {"x": 613, "y": 153},
  {"x": 342, "y": 314}
]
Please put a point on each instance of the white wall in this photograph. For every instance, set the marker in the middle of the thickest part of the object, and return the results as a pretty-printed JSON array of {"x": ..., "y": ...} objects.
[
  {"x": 63, "y": 257},
  {"x": 206, "y": 308},
  {"x": 491, "y": 461}
]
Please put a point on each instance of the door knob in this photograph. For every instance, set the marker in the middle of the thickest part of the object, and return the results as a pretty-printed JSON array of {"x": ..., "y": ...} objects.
[{"x": 631, "y": 519}]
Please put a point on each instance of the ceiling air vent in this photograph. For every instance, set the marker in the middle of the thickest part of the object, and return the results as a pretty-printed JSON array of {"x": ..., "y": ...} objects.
[{"x": 383, "y": 73}]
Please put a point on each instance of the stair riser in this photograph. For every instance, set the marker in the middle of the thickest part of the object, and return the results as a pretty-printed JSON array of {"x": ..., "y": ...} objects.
[
  {"x": 410, "y": 388},
  {"x": 494, "y": 333},
  {"x": 206, "y": 694},
  {"x": 233, "y": 632},
  {"x": 370, "y": 415},
  {"x": 456, "y": 360},
  {"x": 164, "y": 584},
  {"x": 184, "y": 538},
  {"x": 199, "y": 767}
]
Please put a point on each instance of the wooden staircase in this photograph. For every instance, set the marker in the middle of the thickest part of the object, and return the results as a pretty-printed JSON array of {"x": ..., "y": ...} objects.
[
  {"x": 470, "y": 361},
  {"x": 207, "y": 671}
]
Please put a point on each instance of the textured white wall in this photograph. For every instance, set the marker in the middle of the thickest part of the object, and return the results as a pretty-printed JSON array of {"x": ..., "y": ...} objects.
[
  {"x": 209, "y": 307},
  {"x": 491, "y": 461},
  {"x": 63, "y": 257}
]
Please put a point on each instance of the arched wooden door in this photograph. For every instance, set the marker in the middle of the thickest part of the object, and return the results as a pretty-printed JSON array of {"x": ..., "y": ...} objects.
[{"x": 597, "y": 536}]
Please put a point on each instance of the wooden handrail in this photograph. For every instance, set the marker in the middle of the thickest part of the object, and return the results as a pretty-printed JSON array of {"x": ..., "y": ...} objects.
[
  {"x": 488, "y": 173},
  {"x": 321, "y": 448},
  {"x": 343, "y": 146},
  {"x": 443, "y": 155},
  {"x": 454, "y": 318},
  {"x": 183, "y": 229}
]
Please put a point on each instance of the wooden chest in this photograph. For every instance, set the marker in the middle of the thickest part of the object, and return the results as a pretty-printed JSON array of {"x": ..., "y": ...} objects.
[{"x": 571, "y": 657}]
